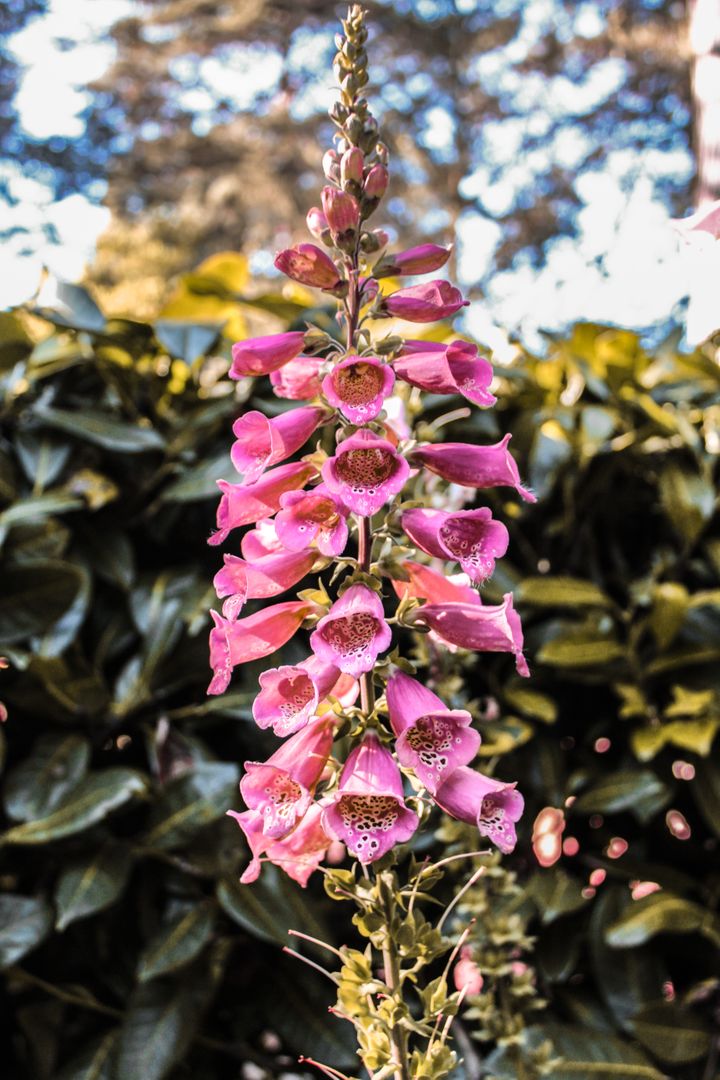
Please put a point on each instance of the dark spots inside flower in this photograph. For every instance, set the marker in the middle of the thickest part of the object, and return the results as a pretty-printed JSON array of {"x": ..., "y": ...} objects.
[
  {"x": 431, "y": 738},
  {"x": 351, "y": 635},
  {"x": 465, "y": 542},
  {"x": 365, "y": 470},
  {"x": 296, "y": 693},
  {"x": 358, "y": 384},
  {"x": 364, "y": 818}
]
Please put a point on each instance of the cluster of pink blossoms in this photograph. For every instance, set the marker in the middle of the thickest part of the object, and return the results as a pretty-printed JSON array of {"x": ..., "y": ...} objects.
[{"x": 303, "y": 513}]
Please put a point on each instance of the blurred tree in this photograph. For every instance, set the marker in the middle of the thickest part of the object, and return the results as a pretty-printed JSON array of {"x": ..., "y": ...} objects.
[{"x": 493, "y": 107}]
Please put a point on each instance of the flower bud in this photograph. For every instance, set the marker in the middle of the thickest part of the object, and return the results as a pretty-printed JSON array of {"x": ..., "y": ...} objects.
[
  {"x": 331, "y": 165},
  {"x": 351, "y": 166},
  {"x": 318, "y": 225},
  {"x": 310, "y": 266},
  {"x": 422, "y": 259},
  {"x": 376, "y": 182},
  {"x": 343, "y": 215},
  {"x": 466, "y": 974}
]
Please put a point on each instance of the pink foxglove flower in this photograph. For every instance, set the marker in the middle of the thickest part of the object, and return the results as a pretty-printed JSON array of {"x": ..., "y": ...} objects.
[
  {"x": 299, "y": 853},
  {"x": 376, "y": 182},
  {"x": 313, "y": 517},
  {"x": 317, "y": 224},
  {"x": 309, "y": 265},
  {"x": 258, "y": 635},
  {"x": 261, "y": 443},
  {"x": 366, "y": 472},
  {"x": 299, "y": 380},
  {"x": 281, "y": 788},
  {"x": 368, "y": 811},
  {"x": 423, "y": 259},
  {"x": 431, "y": 739},
  {"x": 473, "y": 466},
  {"x": 351, "y": 166},
  {"x": 353, "y": 632},
  {"x": 467, "y": 976},
  {"x": 424, "y": 303},
  {"x": 240, "y": 580},
  {"x": 244, "y": 504},
  {"x": 291, "y": 695},
  {"x": 331, "y": 165},
  {"x": 342, "y": 213},
  {"x": 446, "y": 369},
  {"x": 427, "y": 584},
  {"x": 482, "y": 627},
  {"x": 358, "y": 386},
  {"x": 479, "y": 800},
  {"x": 261, "y": 541},
  {"x": 260, "y": 356},
  {"x": 473, "y": 537}
]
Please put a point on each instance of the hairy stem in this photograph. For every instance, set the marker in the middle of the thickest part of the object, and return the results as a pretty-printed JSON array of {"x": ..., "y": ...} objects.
[{"x": 391, "y": 965}]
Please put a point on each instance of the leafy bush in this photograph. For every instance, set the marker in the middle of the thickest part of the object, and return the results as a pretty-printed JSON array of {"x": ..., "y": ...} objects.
[{"x": 129, "y": 948}]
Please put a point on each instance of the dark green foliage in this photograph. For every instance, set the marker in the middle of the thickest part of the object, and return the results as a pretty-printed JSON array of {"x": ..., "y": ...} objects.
[{"x": 130, "y": 950}]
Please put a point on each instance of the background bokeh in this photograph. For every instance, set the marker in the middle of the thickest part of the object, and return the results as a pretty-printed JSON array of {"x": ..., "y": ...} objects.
[{"x": 553, "y": 141}]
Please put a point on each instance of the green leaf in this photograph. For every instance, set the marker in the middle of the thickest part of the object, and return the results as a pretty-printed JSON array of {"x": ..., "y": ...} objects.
[
  {"x": 532, "y": 703},
  {"x": 43, "y": 457},
  {"x": 561, "y": 592},
  {"x": 582, "y": 648},
  {"x": 187, "y": 340},
  {"x": 670, "y": 605},
  {"x": 91, "y": 884},
  {"x": 298, "y": 1006},
  {"x": 200, "y": 482},
  {"x": 24, "y": 922},
  {"x": 177, "y": 943},
  {"x": 673, "y": 1034},
  {"x": 95, "y": 1062},
  {"x": 555, "y": 893},
  {"x": 660, "y": 913},
  {"x": 35, "y": 787},
  {"x": 100, "y": 429},
  {"x": 594, "y": 1055},
  {"x": 36, "y": 596},
  {"x": 192, "y": 801},
  {"x": 64, "y": 304},
  {"x": 687, "y": 498},
  {"x": 706, "y": 791},
  {"x": 89, "y": 802},
  {"x": 638, "y": 790},
  {"x": 270, "y": 907},
  {"x": 159, "y": 1024}
]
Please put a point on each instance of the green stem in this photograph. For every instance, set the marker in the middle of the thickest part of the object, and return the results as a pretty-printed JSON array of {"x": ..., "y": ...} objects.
[{"x": 393, "y": 979}]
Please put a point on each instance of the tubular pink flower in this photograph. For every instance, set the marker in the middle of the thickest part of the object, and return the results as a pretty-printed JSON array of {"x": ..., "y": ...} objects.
[
  {"x": 270, "y": 575},
  {"x": 467, "y": 976},
  {"x": 261, "y": 541},
  {"x": 299, "y": 853},
  {"x": 446, "y": 369},
  {"x": 473, "y": 466},
  {"x": 472, "y": 537},
  {"x": 309, "y": 265},
  {"x": 298, "y": 380},
  {"x": 261, "y": 355},
  {"x": 353, "y": 632},
  {"x": 261, "y": 443},
  {"x": 317, "y": 223},
  {"x": 281, "y": 788},
  {"x": 244, "y": 504},
  {"x": 366, "y": 472},
  {"x": 238, "y": 642},
  {"x": 351, "y": 166},
  {"x": 427, "y": 584},
  {"x": 368, "y": 811},
  {"x": 331, "y": 165},
  {"x": 431, "y": 739},
  {"x": 424, "y": 303},
  {"x": 479, "y": 800},
  {"x": 482, "y": 627},
  {"x": 376, "y": 182},
  {"x": 358, "y": 386},
  {"x": 422, "y": 259},
  {"x": 313, "y": 517},
  {"x": 342, "y": 213},
  {"x": 291, "y": 695}
]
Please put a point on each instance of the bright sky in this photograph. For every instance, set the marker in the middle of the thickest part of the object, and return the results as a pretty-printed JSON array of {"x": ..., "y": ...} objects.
[{"x": 624, "y": 267}]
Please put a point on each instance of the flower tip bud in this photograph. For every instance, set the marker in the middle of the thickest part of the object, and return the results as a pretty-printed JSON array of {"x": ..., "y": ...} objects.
[
  {"x": 466, "y": 974},
  {"x": 351, "y": 166},
  {"x": 376, "y": 182},
  {"x": 331, "y": 165},
  {"x": 317, "y": 223}
]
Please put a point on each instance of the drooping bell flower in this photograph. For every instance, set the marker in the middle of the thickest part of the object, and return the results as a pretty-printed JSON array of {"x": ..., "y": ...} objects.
[
  {"x": 446, "y": 369},
  {"x": 240, "y": 580},
  {"x": 368, "y": 811},
  {"x": 353, "y": 632},
  {"x": 260, "y": 443},
  {"x": 313, "y": 517},
  {"x": 244, "y": 504},
  {"x": 431, "y": 739},
  {"x": 366, "y": 472},
  {"x": 472, "y": 537},
  {"x": 422, "y": 259},
  {"x": 358, "y": 386},
  {"x": 482, "y": 627},
  {"x": 299, "y": 853},
  {"x": 261, "y": 355},
  {"x": 261, "y": 541},
  {"x": 291, "y": 695},
  {"x": 342, "y": 213},
  {"x": 424, "y": 583},
  {"x": 258, "y": 635},
  {"x": 309, "y": 265},
  {"x": 473, "y": 466},
  {"x": 424, "y": 303},
  {"x": 281, "y": 788},
  {"x": 299, "y": 380},
  {"x": 376, "y": 183},
  {"x": 479, "y": 800}
]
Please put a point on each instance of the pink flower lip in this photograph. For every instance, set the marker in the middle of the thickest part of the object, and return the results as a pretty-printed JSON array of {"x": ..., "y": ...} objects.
[
  {"x": 252, "y": 638},
  {"x": 365, "y": 473},
  {"x": 299, "y": 853},
  {"x": 446, "y": 369},
  {"x": 261, "y": 443},
  {"x": 358, "y": 386},
  {"x": 473, "y": 466},
  {"x": 313, "y": 517},
  {"x": 479, "y": 800},
  {"x": 484, "y": 628},
  {"x": 291, "y": 695},
  {"x": 473, "y": 537},
  {"x": 425, "y": 303},
  {"x": 240, "y": 580},
  {"x": 309, "y": 265},
  {"x": 260, "y": 356},
  {"x": 368, "y": 811},
  {"x": 244, "y": 504},
  {"x": 299, "y": 379},
  {"x": 353, "y": 632}
]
